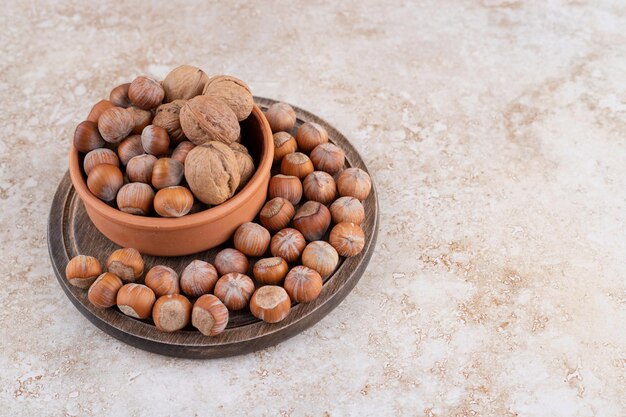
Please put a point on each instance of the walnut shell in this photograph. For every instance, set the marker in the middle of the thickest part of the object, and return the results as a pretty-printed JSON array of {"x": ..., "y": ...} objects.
[
  {"x": 233, "y": 91},
  {"x": 245, "y": 161},
  {"x": 212, "y": 172},
  {"x": 168, "y": 117},
  {"x": 205, "y": 119},
  {"x": 184, "y": 82}
]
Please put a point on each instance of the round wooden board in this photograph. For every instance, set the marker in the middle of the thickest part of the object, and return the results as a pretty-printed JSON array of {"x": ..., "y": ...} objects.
[{"x": 70, "y": 233}]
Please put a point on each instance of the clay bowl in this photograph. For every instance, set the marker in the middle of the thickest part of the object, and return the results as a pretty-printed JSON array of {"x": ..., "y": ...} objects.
[{"x": 195, "y": 232}]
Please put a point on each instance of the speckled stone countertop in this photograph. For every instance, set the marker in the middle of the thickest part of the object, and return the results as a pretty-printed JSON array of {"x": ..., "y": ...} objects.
[{"x": 496, "y": 134}]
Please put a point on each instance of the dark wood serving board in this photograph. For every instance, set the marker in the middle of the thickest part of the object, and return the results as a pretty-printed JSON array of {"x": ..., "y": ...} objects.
[{"x": 70, "y": 233}]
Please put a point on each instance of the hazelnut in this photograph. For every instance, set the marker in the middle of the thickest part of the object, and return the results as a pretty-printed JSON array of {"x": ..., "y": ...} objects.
[
  {"x": 171, "y": 312},
  {"x": 198, "y": 278},
  {"x": 233, "y": 92},
  {"x": 212, "y": 172},
  {"x": 296, "y": 164},
  {"x": 126, "y": 263},
  {"x": 270, "y": 270},
  {"x": 328, "y": 158},
  {"x": 284, "y": 143},
  {"x": 81, "y": 271},
  {"x": 270, "y": 304},
  {"x": 104, "y": 181},
  {"x": 141, "y": 117},
  {"x": 347, "y": 238},
  {"x": 230, "y": 260},
  {"x": 163, "y": 280},
  {"x": 347, "y": 209},
  {"x": 139, "y": 168},
  {"x": 204, "y": 119},
  {"x": 135, "y": 198},
  {"x": 173, "y": 201},
  {"x": 155, "y": 140},
  {"x": 251, "y": 239},
  {"x": 135, "y": 300},
  {"x": 312, "y": 220},
  {"x": 181, "y": 151},
  {"x": 129, "y": 148},
  {"x": 119, "y": 96},
  {"x": 281, "y": 117},
  {"x": 245, "y": 162},
  {"x": 320, "y": 256},
  {"x": 103, "y": 292},
  {"x": 303, "y": 284},
  {"x": 276, "y": 214},
  {"x": 99, "y": 156},
  {"x": 168, "y": 117},
  {"x": 97, "y": 109},
  {"x": 354, "y": 182},
  {"x": 288, "y": 244},
  {"x": 87, "y": 137},
  {"x": 115, "y": 124},
  {"x": 287, "y": 187},
  {"x": 234, "y": 290},
  {"x": 320, "y": 186},
  {"x": 209, "y": 315},
  {"x": 310, "y": 135},
  {"x": 184, "y": 82},
  {"x": 167, "y": 172},
  {"x": 145, "y": 93}
]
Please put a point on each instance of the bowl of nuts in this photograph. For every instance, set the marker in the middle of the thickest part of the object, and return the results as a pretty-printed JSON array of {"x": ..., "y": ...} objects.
[{"x": 173, "y": 167}]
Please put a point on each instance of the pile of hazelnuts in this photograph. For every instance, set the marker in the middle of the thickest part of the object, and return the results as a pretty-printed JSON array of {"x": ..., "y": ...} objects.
[
  {"x": 159, "y": 147},
  {"x": 311, "y": 191}
]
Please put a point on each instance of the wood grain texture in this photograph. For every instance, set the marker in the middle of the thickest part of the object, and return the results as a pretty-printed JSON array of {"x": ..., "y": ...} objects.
[{"x": 70, "y": 232}]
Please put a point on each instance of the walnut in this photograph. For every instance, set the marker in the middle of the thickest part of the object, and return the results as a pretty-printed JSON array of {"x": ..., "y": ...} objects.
[
  {"x": 233, "y": 91},
  {"x": 168, "y": 117},
  {"x": 205, "y": 119},
  {"x": 184, "y": 82},
  {"x": 245, "y": 161},
  {"x": 212, "y": 172}
]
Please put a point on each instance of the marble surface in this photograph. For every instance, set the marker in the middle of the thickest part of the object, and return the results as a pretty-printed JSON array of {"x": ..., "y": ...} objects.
[{"x": 496, "y": 133}]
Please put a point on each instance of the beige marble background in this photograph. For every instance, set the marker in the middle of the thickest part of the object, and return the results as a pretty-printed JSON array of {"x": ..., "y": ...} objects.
[{"x": 496, "y": 133}]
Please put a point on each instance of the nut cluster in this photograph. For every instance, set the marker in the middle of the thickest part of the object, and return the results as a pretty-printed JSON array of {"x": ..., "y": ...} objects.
[{"x": 153, "y": 148}]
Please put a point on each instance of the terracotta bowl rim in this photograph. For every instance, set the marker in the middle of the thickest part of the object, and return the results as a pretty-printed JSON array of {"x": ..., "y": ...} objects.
[{"x": 190, "y": 220}]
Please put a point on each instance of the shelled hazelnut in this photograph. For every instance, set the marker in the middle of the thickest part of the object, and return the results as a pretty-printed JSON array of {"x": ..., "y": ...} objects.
[
  {"x": 288, "y": 244},
  {"x": 312, "y": 220},
  {"x": 328, "y": 157},
  {"x": 171, "y": 312},
  {"x": 284, "y": 143},
  {"x": 296, "y": 164},
  {"x": 320, "y": 256},
  {"x": 251, "y": 239},
  {"x": 155, "y": 140},
  {"x": 135, "y": 300},
  {"x": 163, "y": 280},
  {"x": 347, "y": 209},
  {"x": 135, "y": 198},
  {"x": 281, "y": 117},
  {"x": 87, "y": 137},
  {"x": 103, "y": 292},
  {"x": 126, "y": 263},
  {"x": 270, "y": 270},
  {"x": 270, "y": 303},
  {"x": 129, "y": 148},
  {"x": 234, "y": 290},
  {"x": 231, "y": 260},
  {"x": 276, "y": 214},
  {"x": 104, "y": 181},
  {"x": 347, "y": 238},
  {"x": 319, "y": 186},
  {"x": 97, "y": 109},
  {"x": 287, "y": 187},
  {"x": 115, "y": 124},
  {"x": 303, "y": 284},
  {"x": 198, "y": 278},
  {"x": 167, "y": 172},
  {"x": 209, "y": 315},
  {"x": 119, "y": 96},
  {"x": 310, "y": 135},
  {"x": 173, "y": 201},
  {"x": 139, "y": 168},
  {"x": 354, "y": 182},
  {"x": 141, "y": 117},
  {"x": 99, "y": 156},
  {"x": 81, "y": 271},
  {"x": 145, "y": 93}
]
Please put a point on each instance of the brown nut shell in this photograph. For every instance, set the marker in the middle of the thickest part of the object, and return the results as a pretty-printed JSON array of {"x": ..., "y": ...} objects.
[
  {"x": 99, "y": 156},
  {"x": 328, "y": 157},
  {"x": 129, "y": 148},
  {"x": 184, "y": 82},
  {"x": 119, "y": 96},
  {"x": 288, "y": 187},
  {"x": 233, "y": 92},
  {"x": 347, "y": 209},
  {"x": 319, "y": 186},
  {"x": 354, "y": 182},
  {"x": 276, "y": 214},
  {"x": 310, "y": 135},
  {"x": 182, "y": 150},
  {"x": 312, "y": 220},
  {"x": 270, "y": 270},
  {"x": 234, "y": 290},
  {"x": 209, "y": 315},
  {"x": 287, "y": 244},
  {"x": 303, "y": 284},
  {"x": 347, "y": 238},
  {"x": 126, "y": 263},
  {"x": 135, "y": 198},
  {"x": 135, "y": 300},
  {"x": 270, "y": 303},
  {"x": 296, "y": 164},
  {"x": 251, "y": 239},
  {"x": 97, "y": 109},
  {"x": 171, "y": 312},
  {"x": 205, "y": 119},
  {"x": 281, "y": 117},
  {"x": 168, "y": 117},
  {"x": 87, "y": 137},
  {"x": 231, "y": 260},
  {"x": 155, "y": 140},
  {"x": 284, "y": 143},
  {"x": 104, "y": 181},
  {"x": 167, "y": 172},
  {"x": 103, "y": 292},
  {"x": 212, "y": 172},
  {"x": 174, "y": 201},
  {"x": 245, "y": 162},
  {"x": 81, "y": 271},
  {"x": 145, "y": 93},
  {"x": 198, "y": 278},
  {"x": 115, "y": 124},
  {"x": 320, "y": 256},
  {"x": 139, "y": 168},
  {"x": 163, "y": 280},
  {"x": 141, "y": 117}
]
